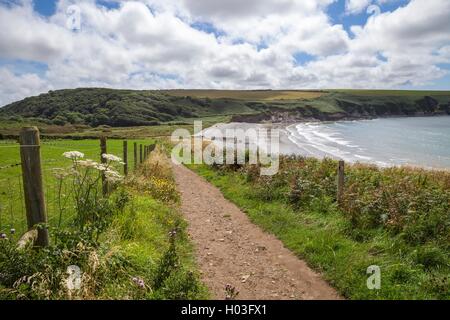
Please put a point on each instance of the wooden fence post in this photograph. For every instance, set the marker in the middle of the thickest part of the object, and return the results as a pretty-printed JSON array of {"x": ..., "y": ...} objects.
[
  {"x": 103, "y": 150},
  {"x": 140, "y": 154},
  {"x": 125, "y": 158},
  {"x": 340, "y": 181},
  {"x": 135, "y": 155},
  {"x": 235, "y": 152},
  {"x": 30, "y": 155}
]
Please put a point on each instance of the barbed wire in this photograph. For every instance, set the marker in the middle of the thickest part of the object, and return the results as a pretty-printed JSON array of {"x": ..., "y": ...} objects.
[{"x": 10, "y": 166}]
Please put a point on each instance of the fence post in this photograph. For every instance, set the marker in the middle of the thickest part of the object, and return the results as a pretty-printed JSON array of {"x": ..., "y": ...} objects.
[
  {"x": 30, "y": 155},
  {"x": 340, "y": 181},
  {"x": 140, "y": 154},
  {"x": 235, "y": 151},
  {"x": 125, "y": 158},
  {"x": 103, "y": 150},
  {"x": 135, "y": 155}
]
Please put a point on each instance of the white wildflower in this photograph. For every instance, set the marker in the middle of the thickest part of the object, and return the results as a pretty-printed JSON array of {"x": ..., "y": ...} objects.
[
  {"x": 112, "y": 176},
  {"x": 73, "y": 155},
  {"x": 111, "y": 157},
  {"x": 60, "y": 173},
  {"x": 88, "y": 163},
  {"x": 101, "y": 167}
]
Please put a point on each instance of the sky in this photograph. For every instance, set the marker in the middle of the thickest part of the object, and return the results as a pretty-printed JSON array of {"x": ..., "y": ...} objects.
[{"x": 233, "y": 44}]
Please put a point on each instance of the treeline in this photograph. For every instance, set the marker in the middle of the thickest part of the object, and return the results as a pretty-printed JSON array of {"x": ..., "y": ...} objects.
[{"x": 95, "y": 107}]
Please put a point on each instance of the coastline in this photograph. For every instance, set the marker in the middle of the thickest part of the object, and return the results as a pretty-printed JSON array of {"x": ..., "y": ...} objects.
[
  {"x": 288, "y": 121},
  {"x": 288, "y": 145}
]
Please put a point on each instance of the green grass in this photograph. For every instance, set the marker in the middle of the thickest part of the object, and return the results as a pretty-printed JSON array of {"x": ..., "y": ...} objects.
[
  {"x": 253, "y": 95},
  {"x": 12, "y": 212},
  {"x": 319, "y": 233},
  {"x": 70, "y": 132},
  {"x": 393, "y": 92},
  {"x": 141, "y": 235}
]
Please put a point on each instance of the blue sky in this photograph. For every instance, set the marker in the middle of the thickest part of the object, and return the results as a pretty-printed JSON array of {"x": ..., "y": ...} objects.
[
  {"x": 48, "y": 7},
  {"x": 232, "y": 44},
  {"x": 336, "y": 11},
  {"x": 45, "y": 7}
]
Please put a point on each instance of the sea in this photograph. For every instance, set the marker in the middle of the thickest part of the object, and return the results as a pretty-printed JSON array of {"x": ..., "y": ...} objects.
[{"x": 416, "y": 141}]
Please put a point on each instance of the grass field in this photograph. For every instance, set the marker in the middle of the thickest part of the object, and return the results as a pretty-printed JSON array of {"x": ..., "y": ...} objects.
[
  {"x": 84, "y": 132},
  {"x": 133, "y": 244},
  {"x": 12, "y": 213},
  {"x": 254, "y": 95}
]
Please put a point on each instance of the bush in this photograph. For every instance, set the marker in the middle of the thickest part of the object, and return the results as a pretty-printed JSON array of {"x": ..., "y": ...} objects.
[
  {"x": 59, "y": 120},
  {"x": 402, "y": 201}
]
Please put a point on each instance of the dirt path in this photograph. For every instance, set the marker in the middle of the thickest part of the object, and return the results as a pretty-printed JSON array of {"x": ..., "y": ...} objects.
[{"x": 232, "y": 250}]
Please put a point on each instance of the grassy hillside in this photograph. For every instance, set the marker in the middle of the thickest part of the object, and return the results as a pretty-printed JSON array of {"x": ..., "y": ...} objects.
[
  {"x": 267, "y": 95},
  {"x": 125, "y": 108}
]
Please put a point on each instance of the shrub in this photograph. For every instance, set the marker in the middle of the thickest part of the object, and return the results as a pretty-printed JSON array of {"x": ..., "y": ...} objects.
[
  {"x": 59, "y": 120},
  {"x": 409, "y": 202}
]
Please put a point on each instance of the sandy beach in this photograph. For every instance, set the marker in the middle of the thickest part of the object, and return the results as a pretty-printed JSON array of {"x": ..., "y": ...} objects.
[{"x": 416, "y": 141}]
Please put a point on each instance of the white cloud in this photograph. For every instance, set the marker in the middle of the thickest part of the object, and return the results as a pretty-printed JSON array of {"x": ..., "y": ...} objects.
[
  {"x": 153, "y": 44},
  {"x": 356, "y": 6},
  {"x": 14, "y": 87}
]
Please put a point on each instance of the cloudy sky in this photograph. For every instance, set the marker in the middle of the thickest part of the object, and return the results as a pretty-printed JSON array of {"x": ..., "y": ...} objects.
[{"x": 228, "y": 44}]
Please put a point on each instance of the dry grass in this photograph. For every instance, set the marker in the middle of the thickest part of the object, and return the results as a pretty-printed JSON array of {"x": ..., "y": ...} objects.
[
  {"x": 157, "y": 165},
  {"x": 155, "y": 177}
]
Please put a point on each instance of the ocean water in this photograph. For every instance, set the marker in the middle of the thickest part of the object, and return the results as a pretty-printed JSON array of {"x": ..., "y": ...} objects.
[{"x": 421, "y": 141}]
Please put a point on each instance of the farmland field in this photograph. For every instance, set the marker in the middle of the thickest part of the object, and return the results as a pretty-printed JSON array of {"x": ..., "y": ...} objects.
[{"x": 261, "y": 95}]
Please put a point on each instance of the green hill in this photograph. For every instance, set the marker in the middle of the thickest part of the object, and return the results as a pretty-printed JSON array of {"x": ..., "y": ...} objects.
[{"x": 125, "y": 108}]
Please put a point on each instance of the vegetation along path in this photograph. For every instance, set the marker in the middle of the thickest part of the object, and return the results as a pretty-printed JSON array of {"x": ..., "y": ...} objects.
[{"x": 232, "y": 250}]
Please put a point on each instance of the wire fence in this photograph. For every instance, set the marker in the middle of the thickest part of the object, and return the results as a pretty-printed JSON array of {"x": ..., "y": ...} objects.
[{"x": 57, "y": 197}]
